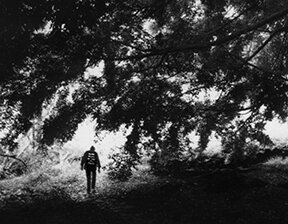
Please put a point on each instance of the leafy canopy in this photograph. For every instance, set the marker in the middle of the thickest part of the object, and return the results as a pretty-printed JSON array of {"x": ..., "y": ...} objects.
[{"x": 158, "y": 58}]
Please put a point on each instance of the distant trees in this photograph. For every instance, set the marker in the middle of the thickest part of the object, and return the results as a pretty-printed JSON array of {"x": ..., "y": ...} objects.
[{"x": 158, "y": 56}]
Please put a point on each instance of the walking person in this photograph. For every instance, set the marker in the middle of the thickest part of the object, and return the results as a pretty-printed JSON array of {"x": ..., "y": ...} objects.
[{"x": 90, "y": 162}]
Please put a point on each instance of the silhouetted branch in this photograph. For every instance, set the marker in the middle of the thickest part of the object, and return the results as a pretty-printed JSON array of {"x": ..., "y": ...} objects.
[{"x": 266, "y": 42}]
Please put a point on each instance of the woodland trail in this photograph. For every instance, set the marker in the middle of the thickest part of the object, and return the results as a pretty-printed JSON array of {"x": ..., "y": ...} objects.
[{"x": 177, "y": 200}]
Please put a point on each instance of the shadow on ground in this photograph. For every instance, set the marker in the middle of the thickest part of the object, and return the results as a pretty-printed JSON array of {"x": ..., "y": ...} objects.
[{"x": 222, "y": 197}]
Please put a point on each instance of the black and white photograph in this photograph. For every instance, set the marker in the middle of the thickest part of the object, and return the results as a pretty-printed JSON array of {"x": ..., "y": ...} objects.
[{"x": 144, "y": 111}]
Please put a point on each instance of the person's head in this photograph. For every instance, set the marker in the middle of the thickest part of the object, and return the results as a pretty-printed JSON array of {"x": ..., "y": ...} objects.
[{"x": 92, "y": 148}]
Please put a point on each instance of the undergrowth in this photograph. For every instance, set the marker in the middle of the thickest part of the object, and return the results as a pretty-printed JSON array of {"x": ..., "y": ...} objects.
[{"x": 64, "y": 182}]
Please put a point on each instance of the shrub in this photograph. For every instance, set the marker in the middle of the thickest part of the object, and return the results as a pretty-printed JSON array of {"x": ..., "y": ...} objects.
[{"x": 121, "y": 166}]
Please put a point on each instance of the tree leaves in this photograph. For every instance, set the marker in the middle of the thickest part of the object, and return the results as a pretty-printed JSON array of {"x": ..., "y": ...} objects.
[{"x": 152, "y": 81}]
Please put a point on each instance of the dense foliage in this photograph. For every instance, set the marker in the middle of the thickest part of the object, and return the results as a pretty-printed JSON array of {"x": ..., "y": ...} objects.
[{"x": 158, "y": 57}]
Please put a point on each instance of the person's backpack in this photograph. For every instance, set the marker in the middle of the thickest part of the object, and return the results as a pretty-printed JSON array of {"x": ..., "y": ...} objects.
[{"x": 91, "y": 158}]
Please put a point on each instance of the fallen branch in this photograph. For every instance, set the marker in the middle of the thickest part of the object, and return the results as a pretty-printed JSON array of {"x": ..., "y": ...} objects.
[{"x": 14, "y": 157}]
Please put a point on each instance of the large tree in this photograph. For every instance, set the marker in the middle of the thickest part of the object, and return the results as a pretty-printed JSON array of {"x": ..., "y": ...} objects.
[{"x": 158, "y": 57}]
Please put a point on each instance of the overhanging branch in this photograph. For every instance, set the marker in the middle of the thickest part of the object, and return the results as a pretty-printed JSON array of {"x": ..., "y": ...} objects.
[{"x": 157, "y": 52}]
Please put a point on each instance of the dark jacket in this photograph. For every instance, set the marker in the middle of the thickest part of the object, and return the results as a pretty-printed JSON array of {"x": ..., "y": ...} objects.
[{"x": 90, "y": 159}]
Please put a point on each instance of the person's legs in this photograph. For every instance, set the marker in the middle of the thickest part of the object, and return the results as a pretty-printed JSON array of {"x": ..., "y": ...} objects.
[
  {"x": 88, "y": 176},
  {"x": 93, "y": 179}
]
